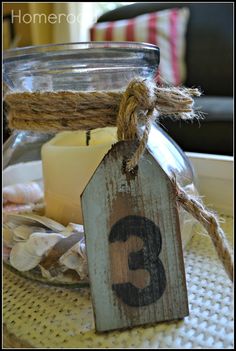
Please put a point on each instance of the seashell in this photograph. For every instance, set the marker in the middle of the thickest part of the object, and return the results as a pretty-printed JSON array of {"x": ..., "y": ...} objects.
[
  {"x": 79, "y": 228},
  {"x": 82, "y": 249},
  {"x": 7, "y": 237},
  {"x": 27, "y": 255},
  {"x": 22, "y": 172},
  {"x": 32, "y": 219},
  {"x": 22, "y": 232},
  {"x": 21, "y": 259},
  {"x": 13, "y": 208},
  {"x": 22, "y": 193},
  {"x": 54, "y": 253},
  {"x": 51, "y": 259},
  {"x": 22, "y": 209},
  {"x": 45, "y": 273},
  {"x": 63, "y": 275},
  {"x": 73, "y": 228},
  {"x": 73, "y": 259},
  {"x": 41, "y": 243},
  {"x": 13, "y": 234}
]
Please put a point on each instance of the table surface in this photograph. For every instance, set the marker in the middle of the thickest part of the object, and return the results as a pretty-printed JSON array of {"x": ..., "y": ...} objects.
[{"x": 42, "y": 316}]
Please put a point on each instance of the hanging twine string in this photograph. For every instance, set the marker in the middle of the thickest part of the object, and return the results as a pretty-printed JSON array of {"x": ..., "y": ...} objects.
[
  {"x": 138, "y": 106},
  {"x": 210, "y": 222}
]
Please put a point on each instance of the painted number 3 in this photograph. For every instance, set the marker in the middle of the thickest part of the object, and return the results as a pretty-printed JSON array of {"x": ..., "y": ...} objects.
[{"x": 146, "y": 258}]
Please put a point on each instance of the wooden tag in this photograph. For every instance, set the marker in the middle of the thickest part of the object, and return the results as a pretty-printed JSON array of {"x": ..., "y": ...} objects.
[{"x": 133, "y": 242}]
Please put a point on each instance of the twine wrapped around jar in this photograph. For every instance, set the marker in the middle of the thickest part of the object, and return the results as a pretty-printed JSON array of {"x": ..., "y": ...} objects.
[{"x": 138, "y": 105}]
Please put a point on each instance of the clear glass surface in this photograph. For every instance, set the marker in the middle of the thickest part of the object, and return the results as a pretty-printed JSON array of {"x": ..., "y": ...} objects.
[
  {"x": 79, "y": 66},
  {"x": 85, "y": 67}
]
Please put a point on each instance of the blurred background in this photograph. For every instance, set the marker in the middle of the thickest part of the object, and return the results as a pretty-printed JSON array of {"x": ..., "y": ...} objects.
[
  {"x": 24, "y": 31},
  {"x": 196, "y": 46}
]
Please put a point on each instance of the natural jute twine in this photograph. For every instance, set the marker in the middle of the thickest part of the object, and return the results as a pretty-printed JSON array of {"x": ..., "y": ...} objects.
[{"x": 138, "y": 106}]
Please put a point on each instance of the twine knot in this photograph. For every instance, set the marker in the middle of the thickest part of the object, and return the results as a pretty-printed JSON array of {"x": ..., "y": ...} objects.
[
  {"x": 140, "y": 105},
  {"x": 136, "y": 107},
  {"x": 143, "y": 92}
]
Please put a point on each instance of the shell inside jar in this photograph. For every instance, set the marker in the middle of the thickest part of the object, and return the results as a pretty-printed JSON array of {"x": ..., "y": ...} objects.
[
  {"x": 33, "y": 244},
  {"x": 39, "y": 247},
  {"x": 36, "y": 245}
]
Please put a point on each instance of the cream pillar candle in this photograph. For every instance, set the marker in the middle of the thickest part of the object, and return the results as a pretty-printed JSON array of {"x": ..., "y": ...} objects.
[{"x": 68, "y": 164}]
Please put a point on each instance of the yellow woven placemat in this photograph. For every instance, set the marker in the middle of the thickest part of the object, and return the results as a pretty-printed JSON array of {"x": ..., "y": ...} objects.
[{"x": 41, "y": 316}]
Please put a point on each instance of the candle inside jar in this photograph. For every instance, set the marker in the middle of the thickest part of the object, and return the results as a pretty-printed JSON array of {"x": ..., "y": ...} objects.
[{"x": 69, "y": 160}]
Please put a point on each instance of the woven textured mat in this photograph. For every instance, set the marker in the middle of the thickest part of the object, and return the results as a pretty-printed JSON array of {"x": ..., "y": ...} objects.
[{"x": 41, "y": 316}]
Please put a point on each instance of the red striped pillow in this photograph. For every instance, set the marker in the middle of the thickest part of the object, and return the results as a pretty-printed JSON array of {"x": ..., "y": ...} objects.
[{"x": 166, "y": 29}]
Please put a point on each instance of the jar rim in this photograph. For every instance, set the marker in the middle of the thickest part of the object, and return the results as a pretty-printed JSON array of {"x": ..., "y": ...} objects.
[
  {"x": 26, "y": 50},
  {"x": 79, "y": 66}
]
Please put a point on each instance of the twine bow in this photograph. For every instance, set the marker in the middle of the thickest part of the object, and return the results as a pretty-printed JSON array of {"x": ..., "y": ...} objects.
[{"x": 142, "y": 102}]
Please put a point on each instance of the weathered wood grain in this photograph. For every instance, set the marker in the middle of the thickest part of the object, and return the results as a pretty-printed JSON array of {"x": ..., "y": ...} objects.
[{"x": 133, "y": 243}]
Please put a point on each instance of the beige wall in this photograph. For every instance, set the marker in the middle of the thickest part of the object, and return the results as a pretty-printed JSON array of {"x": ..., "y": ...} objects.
[
  {"x": 22, "y": 30},
  {"x": 36, "y": 33},
  {"x": 29, "y": 33},
  {"x": 41, "y": 32}
]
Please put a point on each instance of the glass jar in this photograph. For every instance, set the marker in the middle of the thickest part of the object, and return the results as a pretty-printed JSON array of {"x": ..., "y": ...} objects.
[{"x": 43, "y": 236}]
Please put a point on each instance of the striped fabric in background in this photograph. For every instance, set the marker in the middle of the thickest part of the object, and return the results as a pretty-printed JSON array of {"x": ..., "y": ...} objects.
[{"x": 166, "y": 29}]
